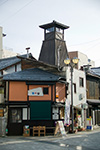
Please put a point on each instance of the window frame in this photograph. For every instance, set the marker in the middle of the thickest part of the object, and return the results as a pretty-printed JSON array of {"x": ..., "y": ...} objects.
[
  {"x": 13, "y": 115},
  {"x": 81, "y": 82},
  {"x": 74, "y": 84},
  {"x": 45, "y": 90}
]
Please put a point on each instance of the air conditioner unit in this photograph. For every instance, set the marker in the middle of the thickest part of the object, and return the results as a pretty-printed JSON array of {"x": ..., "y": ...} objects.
[{"x": 85, "y": 106}]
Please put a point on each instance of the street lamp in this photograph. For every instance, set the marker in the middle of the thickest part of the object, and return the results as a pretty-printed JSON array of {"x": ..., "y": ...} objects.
[{"x": 71, "y": 63}]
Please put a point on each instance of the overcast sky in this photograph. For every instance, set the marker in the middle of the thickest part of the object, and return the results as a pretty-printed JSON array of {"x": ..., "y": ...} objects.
[{"x": 20, "y": 20}]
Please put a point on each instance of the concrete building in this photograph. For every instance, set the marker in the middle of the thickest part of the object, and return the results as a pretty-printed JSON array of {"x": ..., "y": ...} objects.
[
  {"x": 4, "y": 53},
  {"x": 83, "y": 59},
  {"x": 79, "y": 93}
]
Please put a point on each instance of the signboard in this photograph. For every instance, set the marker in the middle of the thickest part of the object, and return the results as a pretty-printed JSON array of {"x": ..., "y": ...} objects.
[
  {"x": 89, "y": 123},
  {"x": 60, "y": 128},
  {"x": 55, "y": 110},
  {"x": 55, "y": 115},
  {"x": 35, "y": 92}
]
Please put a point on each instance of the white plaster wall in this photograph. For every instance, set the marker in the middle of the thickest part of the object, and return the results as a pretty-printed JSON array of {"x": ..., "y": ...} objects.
[{"x": 79, "y": 90}]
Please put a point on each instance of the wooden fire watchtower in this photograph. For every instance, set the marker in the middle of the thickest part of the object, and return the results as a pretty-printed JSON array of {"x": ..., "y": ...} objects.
[{"x": 54, "y": 50}]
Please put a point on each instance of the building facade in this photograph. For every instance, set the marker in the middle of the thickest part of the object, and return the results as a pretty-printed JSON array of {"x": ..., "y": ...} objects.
[
  {"x": 83, "y": 59},
  {"x": 5, "y": 53},
  {"x": 93, "y": 95},
  {"x": 79, "y": 94},
  {"x": 34, "y": 97}
]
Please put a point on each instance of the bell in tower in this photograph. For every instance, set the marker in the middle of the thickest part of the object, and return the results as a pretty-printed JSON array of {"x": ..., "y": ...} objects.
[{"x": 54, "y": 50}]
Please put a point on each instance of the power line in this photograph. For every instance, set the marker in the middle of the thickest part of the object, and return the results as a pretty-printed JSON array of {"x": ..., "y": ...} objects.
[
  {"x": 3, "y": 3},
  {"x": 92, "y": 46},
  {"x": 17, "y": 11},
  {"x": 85, "y": 42}
]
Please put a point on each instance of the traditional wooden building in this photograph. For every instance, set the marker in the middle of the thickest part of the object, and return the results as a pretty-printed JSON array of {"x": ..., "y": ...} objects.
[
  {"x": 93, "y": 95},
  {"x": 7, "y": 66},
  {"x": 35, "y": 97},
  {"x": 54, "y": 49}
]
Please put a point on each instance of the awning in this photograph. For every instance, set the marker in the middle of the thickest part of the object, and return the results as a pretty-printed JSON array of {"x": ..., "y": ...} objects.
[
  {"x": 58, "y": 104},
  {"x": 93, "y": 101},
  {"x": 76, "y": 107}
]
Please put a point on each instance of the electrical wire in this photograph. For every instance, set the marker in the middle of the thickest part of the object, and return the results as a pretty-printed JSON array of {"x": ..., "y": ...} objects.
[
  {"x": 92, "y": 46},
  {"x": 85, "y": 42},
  {"x": 17, "y": 11},
  {"x": 3, "y": 3}
]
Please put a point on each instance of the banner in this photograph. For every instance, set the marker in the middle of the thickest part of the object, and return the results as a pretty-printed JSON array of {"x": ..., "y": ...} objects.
[{"x": 67, "y": 112}]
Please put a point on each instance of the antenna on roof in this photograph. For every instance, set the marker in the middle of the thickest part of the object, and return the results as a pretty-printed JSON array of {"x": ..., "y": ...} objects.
[{"x": 27, "y": 51}]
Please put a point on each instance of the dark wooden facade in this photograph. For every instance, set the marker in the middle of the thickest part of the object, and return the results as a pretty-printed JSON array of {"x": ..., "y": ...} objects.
[
  {"x": 93, "y": 97},
  {"x": 93, "y": 87},
  {"x": 54, "y": 50}
]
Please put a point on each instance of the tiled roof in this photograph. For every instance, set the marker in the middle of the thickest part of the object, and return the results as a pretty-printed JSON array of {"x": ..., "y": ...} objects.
[
  {"x": 6, "y": 62},
  {"x": 94, "y": 71},
  {"x": 33, "y": 74},
  {"x": 54, "y": 24}
]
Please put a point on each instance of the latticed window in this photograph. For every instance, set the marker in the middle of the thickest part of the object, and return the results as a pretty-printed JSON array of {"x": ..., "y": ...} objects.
[{"x": 16, "y": 115}]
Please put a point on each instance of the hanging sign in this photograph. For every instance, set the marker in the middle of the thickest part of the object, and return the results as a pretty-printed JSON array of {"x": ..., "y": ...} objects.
[
  {"x": 55, "y": 116},
  {"x": 67, "y": 112},
  {"x": 35, "y": 92},
  {"x": 60, "y": 128},
  {"x": 55, "y": 113}
]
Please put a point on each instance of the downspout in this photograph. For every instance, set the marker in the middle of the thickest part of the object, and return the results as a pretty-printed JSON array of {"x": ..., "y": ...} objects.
[{"x": 59, "y": 49}]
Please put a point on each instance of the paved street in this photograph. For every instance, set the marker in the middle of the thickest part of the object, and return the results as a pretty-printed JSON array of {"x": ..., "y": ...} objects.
[{"x": 89, "y": 140}]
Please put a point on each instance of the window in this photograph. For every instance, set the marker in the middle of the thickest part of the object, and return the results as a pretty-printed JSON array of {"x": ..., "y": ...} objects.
[
  {"x": 2, "y": 73},
  {"x": 16, "y": 115},
  {"x": 50, "y": 30},
  {"x": 81, "y": 82},
  {"x": 74, "y": 88},
  {"x": 62, "y": 113},
  {"x": 45, "y": 90},
  {"x": 15, "y": 68},
  {"x": 59, "y": 30}
]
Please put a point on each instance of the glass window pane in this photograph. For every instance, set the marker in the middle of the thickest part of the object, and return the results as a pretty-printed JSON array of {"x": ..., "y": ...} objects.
[
  {"x": 50, "y": 30},
  {"x": 45, "y": 90},
  {"x": 24, "y": 113},
  {"x": 81, "y": 82},
  {"x": 16, "y": 115}
]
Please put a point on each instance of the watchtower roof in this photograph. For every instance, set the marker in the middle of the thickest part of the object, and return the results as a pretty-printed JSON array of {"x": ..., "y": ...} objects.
[{"x": 54, "y": 24}]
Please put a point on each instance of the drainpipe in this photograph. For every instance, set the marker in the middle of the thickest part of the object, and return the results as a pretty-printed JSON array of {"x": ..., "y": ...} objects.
[{"x": 59, "y": 49}]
